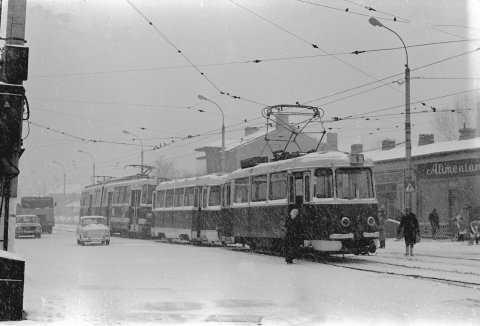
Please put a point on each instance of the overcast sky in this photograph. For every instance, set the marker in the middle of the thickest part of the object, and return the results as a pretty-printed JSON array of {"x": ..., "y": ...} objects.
[{"x": 99, "y": 67}]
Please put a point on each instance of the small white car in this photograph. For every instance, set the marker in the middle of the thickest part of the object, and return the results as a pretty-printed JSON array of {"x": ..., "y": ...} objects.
[{"x": 92, "y": 229}]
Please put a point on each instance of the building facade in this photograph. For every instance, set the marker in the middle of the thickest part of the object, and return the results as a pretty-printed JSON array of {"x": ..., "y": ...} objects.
[{"x": 446, "y": 176}]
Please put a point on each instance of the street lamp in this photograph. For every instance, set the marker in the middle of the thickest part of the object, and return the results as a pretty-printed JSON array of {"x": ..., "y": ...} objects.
[
  {"x": 141, "y": 143},
  {"x": 408, "y": 140},
  {"x": 64, "y": 174},
  {"x": 203, "y": 98},
  {"x": 93, "y": 160}
]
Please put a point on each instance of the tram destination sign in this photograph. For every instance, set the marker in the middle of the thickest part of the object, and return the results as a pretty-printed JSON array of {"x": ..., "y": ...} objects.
[{"x": 467, "y": 167}]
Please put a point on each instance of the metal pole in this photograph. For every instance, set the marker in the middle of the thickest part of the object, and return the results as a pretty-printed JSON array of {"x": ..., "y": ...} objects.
[
  {"x": 93, "y": 160},
  {"x": 408, "y": 128},
  {"x": 141, "y": 153},
  {"x": 6, "y": 199},
  {"x": 223, "y": 165},
  {"x": 408, "y": 139}
]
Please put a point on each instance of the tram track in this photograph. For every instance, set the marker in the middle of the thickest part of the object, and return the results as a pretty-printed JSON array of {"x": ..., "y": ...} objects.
[
  {"x": 472, "y": 285},
  {"x": 346, "y": 263}
]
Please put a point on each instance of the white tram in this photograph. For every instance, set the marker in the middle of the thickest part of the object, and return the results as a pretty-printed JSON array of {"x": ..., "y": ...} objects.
[{"x": 189, "y": 210}]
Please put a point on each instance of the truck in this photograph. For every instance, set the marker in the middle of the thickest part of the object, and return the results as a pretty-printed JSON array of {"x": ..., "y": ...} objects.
[{"x": 42, "y": 207}]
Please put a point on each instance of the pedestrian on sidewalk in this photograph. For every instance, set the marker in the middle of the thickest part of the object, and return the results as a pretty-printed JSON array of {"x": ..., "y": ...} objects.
[
  {"x": 411, "y": 229},
  {"x": 461, "y": 225},
  {"x": 434, "y": 222},
  {"x": 474, "y": 231},
  {"x": 381, "y": 227},
  {"x": 293, "y": 236}
]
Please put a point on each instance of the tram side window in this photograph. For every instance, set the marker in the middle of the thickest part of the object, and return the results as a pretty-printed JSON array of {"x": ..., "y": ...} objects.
[
  {"x": 307, "y": 187},
  {"x": 189, "y": 196},
  {"x": 126, "y": 191},
  {"x": 204, "y": 197},
  {"x": 160, "y": 199},
  {"x": 241, "y": 191},
  {"x": 116, "y": 195},
  {"x": 354, "y": 183},
  {"x": 259, "y": 188},
  {"x": 215, "y": 196},
  {"x": 278, "y": 186},
  {"x": 323, "y": 184},
  {"x": 147, "y": 191},
  {"x": 228, "y": 193},
  {"x": 169, "y": 198},
  {"x": 97, "y": 197},
  {"x": 179, "y": 197}
]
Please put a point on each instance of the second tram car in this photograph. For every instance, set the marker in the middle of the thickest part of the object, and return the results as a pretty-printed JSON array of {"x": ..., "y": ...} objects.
[
  {"x": 333, "y": 191},
  {"x": 126, "y": 203},
  {"x": 190, "y": 209}
]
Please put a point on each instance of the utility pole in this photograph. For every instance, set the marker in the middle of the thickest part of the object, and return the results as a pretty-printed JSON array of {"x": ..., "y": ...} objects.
[{"x": 13, "y": 71}]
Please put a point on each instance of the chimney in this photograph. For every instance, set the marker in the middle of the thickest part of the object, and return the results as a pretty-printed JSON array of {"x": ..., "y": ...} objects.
[
  {"x": 466, "y": 133},
  {"x": 388, "y": 144},
  {"x": 281, "y": 121},
  {"x": 425, "y": 139},
  {"x": 356, "y": 148},
  {"x": 332, "y": 143},
  {"x": 251, "y": 130}
]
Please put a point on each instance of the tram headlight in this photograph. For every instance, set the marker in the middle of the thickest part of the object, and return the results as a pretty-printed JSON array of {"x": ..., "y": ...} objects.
[
  {"x": 345, "y": 221},
  {"x": 371, "y": 221}
]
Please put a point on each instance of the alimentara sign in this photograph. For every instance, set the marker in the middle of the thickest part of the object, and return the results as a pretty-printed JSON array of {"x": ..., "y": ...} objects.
[{"x": 449, "y": 168}]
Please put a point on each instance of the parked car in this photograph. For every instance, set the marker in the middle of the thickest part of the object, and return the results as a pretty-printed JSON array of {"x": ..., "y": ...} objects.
[
  {"x": 28, "y": 225},
  {"x": 92, "y": 229}
]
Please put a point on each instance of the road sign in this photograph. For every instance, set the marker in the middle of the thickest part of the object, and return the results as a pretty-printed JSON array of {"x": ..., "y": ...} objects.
[{"x": 409, "y": 188}]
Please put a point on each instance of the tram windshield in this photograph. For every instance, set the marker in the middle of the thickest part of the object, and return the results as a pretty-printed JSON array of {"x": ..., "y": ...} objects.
[{"x": 354, "y": 183}]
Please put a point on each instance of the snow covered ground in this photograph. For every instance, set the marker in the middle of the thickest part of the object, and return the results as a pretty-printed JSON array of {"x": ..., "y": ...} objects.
[{"x": 137, "y": 282}]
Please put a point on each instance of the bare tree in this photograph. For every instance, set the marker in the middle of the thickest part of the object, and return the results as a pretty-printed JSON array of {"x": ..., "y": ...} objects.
[
  {"x": 448, "y": 121},
  {"x": 165, "y": 168}
]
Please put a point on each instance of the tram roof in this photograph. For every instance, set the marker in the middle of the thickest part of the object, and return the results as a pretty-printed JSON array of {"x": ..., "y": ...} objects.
[
  {"x": 123, "y": 182},
  {"x": 205, "y": 180},
  {"x": 311, "y": 160}
]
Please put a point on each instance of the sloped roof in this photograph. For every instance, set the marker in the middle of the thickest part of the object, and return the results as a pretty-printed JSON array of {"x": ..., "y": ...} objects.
[{"x": 435, "y": 148}]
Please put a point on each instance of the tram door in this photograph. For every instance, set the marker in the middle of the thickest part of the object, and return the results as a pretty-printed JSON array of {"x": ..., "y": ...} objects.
[
  {"x": 296, "y": 187},
  {"x": 135, "y": 205},
  {"x": 109, "y": 207}
]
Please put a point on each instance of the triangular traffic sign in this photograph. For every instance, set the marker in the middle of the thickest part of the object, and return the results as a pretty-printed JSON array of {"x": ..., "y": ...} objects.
[{"x": 409, "y": 188}]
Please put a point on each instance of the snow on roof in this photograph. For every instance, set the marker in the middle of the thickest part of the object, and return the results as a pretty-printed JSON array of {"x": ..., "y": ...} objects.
[
  {"x": 234, "y": 143},
  {"x": 316, "y": 159},
  {"x": 435, "y": 148},
  {"x": 204, "y": 180}
]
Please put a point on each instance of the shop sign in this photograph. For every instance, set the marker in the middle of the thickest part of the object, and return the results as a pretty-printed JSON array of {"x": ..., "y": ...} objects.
[{"x": 444, "y": 169}]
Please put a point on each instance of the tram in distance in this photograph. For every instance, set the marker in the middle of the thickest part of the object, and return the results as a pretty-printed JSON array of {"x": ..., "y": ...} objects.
[
  {"x": 333, "y": 191},
  {"x": 126, "y": 203}
]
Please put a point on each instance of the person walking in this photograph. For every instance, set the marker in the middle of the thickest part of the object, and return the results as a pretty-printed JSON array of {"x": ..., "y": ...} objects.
[
  {"x": 462, "y": 222},
  {"x": 293, "y": 235},
  {"x": 411, "y": 229},
  {"x": 434, "y": 222},
  {"x": 474, "y": 231},
  {"x": 381, "y": 228}
]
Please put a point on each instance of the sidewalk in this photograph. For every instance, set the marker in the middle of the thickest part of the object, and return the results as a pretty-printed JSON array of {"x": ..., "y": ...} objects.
[{"x": 430, "y": 247}]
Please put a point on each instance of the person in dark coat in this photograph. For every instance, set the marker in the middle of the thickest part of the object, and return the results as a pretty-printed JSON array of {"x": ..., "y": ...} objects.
[
  {"x": 411, "y": 229},
  {"x": 293, "y": 236},
  {"x": 434, "y": 222},
  {"x": 381, "y": 228}
]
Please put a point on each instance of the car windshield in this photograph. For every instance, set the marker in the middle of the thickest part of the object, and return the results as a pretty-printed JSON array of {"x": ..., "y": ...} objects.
[
  {"x": 93, "y": 220},
  {"x": 27, "y": 219}
]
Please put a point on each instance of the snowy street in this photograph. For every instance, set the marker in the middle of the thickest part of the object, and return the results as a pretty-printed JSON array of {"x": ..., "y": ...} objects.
[{"x": 145, "y": 282}]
